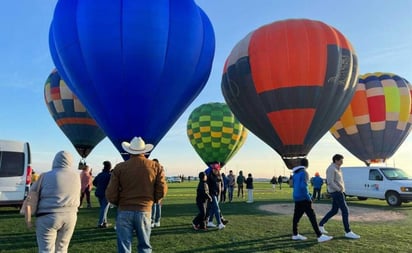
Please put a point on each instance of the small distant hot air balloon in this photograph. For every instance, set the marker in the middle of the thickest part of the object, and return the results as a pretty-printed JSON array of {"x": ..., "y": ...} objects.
[
  {"x": 135, "y": 65},
  {"x": 215, "y": 133},
  {"x": 71, "y": 116},
  {"x": 288, "y": 82},
  {"x": 378, "y": 119}
]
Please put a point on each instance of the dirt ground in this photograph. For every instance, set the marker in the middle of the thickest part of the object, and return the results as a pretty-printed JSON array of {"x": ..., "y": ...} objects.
[{"x": 355, "y": 213}]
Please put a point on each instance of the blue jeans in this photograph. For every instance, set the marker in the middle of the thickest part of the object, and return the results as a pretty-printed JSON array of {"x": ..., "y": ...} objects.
[
  {"x": 156, "y": 212},
  {"x": 231, "y": 189},
  {"x": 128, "y": 222},
  {"x": 214, "y": 210},
  {"x": 104, "y": 207},
  {"x": 338, "y": 202}
]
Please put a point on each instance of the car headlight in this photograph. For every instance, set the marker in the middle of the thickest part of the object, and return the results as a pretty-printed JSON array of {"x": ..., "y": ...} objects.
[{"x": 406, "y": 189}]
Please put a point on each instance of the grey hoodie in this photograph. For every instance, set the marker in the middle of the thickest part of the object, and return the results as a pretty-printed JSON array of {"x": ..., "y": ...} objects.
[{"x": 60, "y": 188}]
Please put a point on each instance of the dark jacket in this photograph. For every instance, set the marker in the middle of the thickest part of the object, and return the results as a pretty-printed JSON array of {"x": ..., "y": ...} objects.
[
  {"x": 215, "y": 184},
  {"x": 249, "y": 183},
  {"x": 101, "y": 181},
  {"x": 203, "y": 192}
]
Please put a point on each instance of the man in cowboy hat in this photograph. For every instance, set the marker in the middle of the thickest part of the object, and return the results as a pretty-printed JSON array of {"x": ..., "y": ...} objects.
[{"x": 134, "y": 186}]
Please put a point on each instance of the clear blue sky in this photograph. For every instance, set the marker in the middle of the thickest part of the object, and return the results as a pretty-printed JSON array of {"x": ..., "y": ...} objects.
[{"x": 380, "y": 31}]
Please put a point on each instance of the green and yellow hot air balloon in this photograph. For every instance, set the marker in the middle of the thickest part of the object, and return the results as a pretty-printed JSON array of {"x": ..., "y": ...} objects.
[{"x": 215, "y": 133}]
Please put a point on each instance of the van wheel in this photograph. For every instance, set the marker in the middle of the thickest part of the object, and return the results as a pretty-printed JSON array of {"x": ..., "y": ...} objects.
[{"x": 393, "y": 199}]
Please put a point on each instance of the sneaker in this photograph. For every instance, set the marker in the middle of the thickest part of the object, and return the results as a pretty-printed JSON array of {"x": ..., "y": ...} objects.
[
  {"x": 299, "y": 237},
  {"x": 323, "y": 230},
  {"x": 157, "y": 224},
  {"x": 221, "y": 226},
  {"x": 324, "y": 238},
  {"x": 195, "y": 227},
  {"x": 224, "y": 221},
  {"x": 352, "y": 235},
  {"x": 211, "y": 225}
]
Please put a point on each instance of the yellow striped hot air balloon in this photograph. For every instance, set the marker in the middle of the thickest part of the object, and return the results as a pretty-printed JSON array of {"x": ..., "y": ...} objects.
[
  {"x": 215, "y": 133},
  {"x": 378, "y": 119}
]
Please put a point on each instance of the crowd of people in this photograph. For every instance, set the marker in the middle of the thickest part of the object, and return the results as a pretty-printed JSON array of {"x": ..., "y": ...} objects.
[{"x": 138, "y": 204}]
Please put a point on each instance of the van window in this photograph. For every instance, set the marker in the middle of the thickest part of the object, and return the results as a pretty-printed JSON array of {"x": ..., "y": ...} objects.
[
  {"x": 375, "y": 175},
  {"x": 11, "y": 164},
  {"x": 395, "y": 174}
]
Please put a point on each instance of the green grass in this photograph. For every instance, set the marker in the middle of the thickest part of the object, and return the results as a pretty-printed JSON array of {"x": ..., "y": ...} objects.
[{"x": 249, "y": 229}]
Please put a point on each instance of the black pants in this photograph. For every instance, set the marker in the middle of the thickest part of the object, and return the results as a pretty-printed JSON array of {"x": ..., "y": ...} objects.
[
  {"x": 316, "y": 193},
  {"x": 201, "y": 219},
  {"x": 302, "y": 207}
]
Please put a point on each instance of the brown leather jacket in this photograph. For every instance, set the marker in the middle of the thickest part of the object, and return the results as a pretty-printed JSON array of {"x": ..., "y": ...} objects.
[{"x": 136, "y": 183}]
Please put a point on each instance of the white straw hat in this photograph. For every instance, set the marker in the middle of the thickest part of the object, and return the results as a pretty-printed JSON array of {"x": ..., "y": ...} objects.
[{"x": 136, "y": 146}]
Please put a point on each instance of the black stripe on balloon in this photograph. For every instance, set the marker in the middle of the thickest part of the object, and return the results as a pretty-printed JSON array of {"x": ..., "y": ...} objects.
[{"x": 298, "y": 97}]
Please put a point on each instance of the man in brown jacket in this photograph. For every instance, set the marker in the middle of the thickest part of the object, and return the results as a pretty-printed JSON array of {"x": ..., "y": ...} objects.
[{"x": 134, "y": 186}]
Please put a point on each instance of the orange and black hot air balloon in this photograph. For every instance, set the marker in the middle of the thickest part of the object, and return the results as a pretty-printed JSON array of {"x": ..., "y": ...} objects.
[{"x": 289, "y": 81}]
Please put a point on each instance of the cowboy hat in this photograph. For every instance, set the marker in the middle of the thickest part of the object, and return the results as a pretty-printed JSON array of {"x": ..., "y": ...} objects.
[{"x": 136, "y": 146}]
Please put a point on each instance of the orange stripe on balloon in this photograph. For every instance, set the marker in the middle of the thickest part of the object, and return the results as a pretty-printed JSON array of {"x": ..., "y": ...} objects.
[
  {"x": 291, "y": 53},
  {"x": 55, "y": 93},
  {"x": 292, "y": 125},
  {"x": 76, "y": 121}
]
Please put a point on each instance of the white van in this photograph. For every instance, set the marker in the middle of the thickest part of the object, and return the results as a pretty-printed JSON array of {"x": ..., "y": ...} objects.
[
  {"x": 15, "y": 172},
  {"x": 390, "y": 184}
]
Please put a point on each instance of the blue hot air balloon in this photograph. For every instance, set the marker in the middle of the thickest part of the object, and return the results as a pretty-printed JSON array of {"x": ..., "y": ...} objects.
[{"x": 136, "y": 65}]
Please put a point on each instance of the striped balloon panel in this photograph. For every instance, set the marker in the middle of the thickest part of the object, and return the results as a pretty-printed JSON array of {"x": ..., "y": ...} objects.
[
  {"x": 71, "y": 116},
  {"x": 378, "y": 119},
  {"x": 289, "y": 81},
  {"x": 214, "y": 132}
]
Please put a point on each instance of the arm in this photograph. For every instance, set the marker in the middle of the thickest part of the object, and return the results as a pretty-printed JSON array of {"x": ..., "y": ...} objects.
[
  {"x": 160, "y": 186},
  {"x": 112, "y": 190}
]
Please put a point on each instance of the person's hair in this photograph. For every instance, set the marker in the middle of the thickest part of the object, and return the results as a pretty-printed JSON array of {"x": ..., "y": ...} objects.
[
  {"x": 202, "y": 175},
  {"x": 249, "y": 175},
  {"x": 107, "y": 166},
  {"x": 337, "y": 157},
  {"x": 304, "y": 162},
  {"x": 155, "y": 160}
]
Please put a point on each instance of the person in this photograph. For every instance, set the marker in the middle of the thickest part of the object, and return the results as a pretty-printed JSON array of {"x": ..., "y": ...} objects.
[
  {"x": 157, "y": 207},
  {"x": 100, "y": 182},
  {"x": 34, "y": 177},
  {"x": 134, "y": 186},
  {"x": 86, "y": 186},
  {"x": 214, "y": 182},
  {"x": 240, "y": 180},
  {"x": 317, "y": 182},
  {"x": 249, "y": 187},
  {"x": 202, "y": 199},
  {"x": 303, "y": 202},
  {"x": 225, "y": 182},
  {"x": 280, "y": 181},
  {"x": 273, "y": 181},
  {"x": 58, "y": 204},
  {"x": 231, "y": 185},
  {"x": 336, "y": 188}
]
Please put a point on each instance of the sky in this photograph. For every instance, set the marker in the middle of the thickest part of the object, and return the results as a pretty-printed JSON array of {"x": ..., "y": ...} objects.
[{"x": 379, "y": 30}]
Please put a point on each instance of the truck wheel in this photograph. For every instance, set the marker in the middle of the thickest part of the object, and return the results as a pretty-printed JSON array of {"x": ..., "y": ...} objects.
[{"x": 393, "y": 199}]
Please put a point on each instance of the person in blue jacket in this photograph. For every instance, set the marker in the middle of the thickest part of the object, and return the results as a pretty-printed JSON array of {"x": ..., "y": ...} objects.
[
  {"x": 303, "y": 202},
  {"x": 317, "y": 186},
  {"x": 101, "y": 181}
]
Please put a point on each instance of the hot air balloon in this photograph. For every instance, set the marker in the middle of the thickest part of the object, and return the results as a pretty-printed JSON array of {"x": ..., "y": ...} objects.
[
  {"x": 136, "y": 65},
  {"x": 215, "y": 133},
  {"x": 378, "y": 119},
  {"x": 71, "y": 116},
  {"x": 288, "y": 82}
]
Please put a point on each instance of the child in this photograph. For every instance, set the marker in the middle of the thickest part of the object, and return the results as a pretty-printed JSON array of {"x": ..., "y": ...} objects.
[
  {"x": 202, "y": 199},
  {"x": 249, "y": 187}
]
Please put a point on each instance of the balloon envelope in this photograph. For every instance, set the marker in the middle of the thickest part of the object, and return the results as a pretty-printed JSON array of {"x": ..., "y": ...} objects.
[
  {"x": 136, "y": 65},
  {"x": 378, "y": 119},
  {"x": 215, "y": 133},
  {"x": 288, "y": 82},
  {"x": 71, "y": 116}
]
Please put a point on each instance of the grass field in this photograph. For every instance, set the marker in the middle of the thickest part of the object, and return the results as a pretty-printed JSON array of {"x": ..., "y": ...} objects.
[{"x": 249, "y": 229}]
